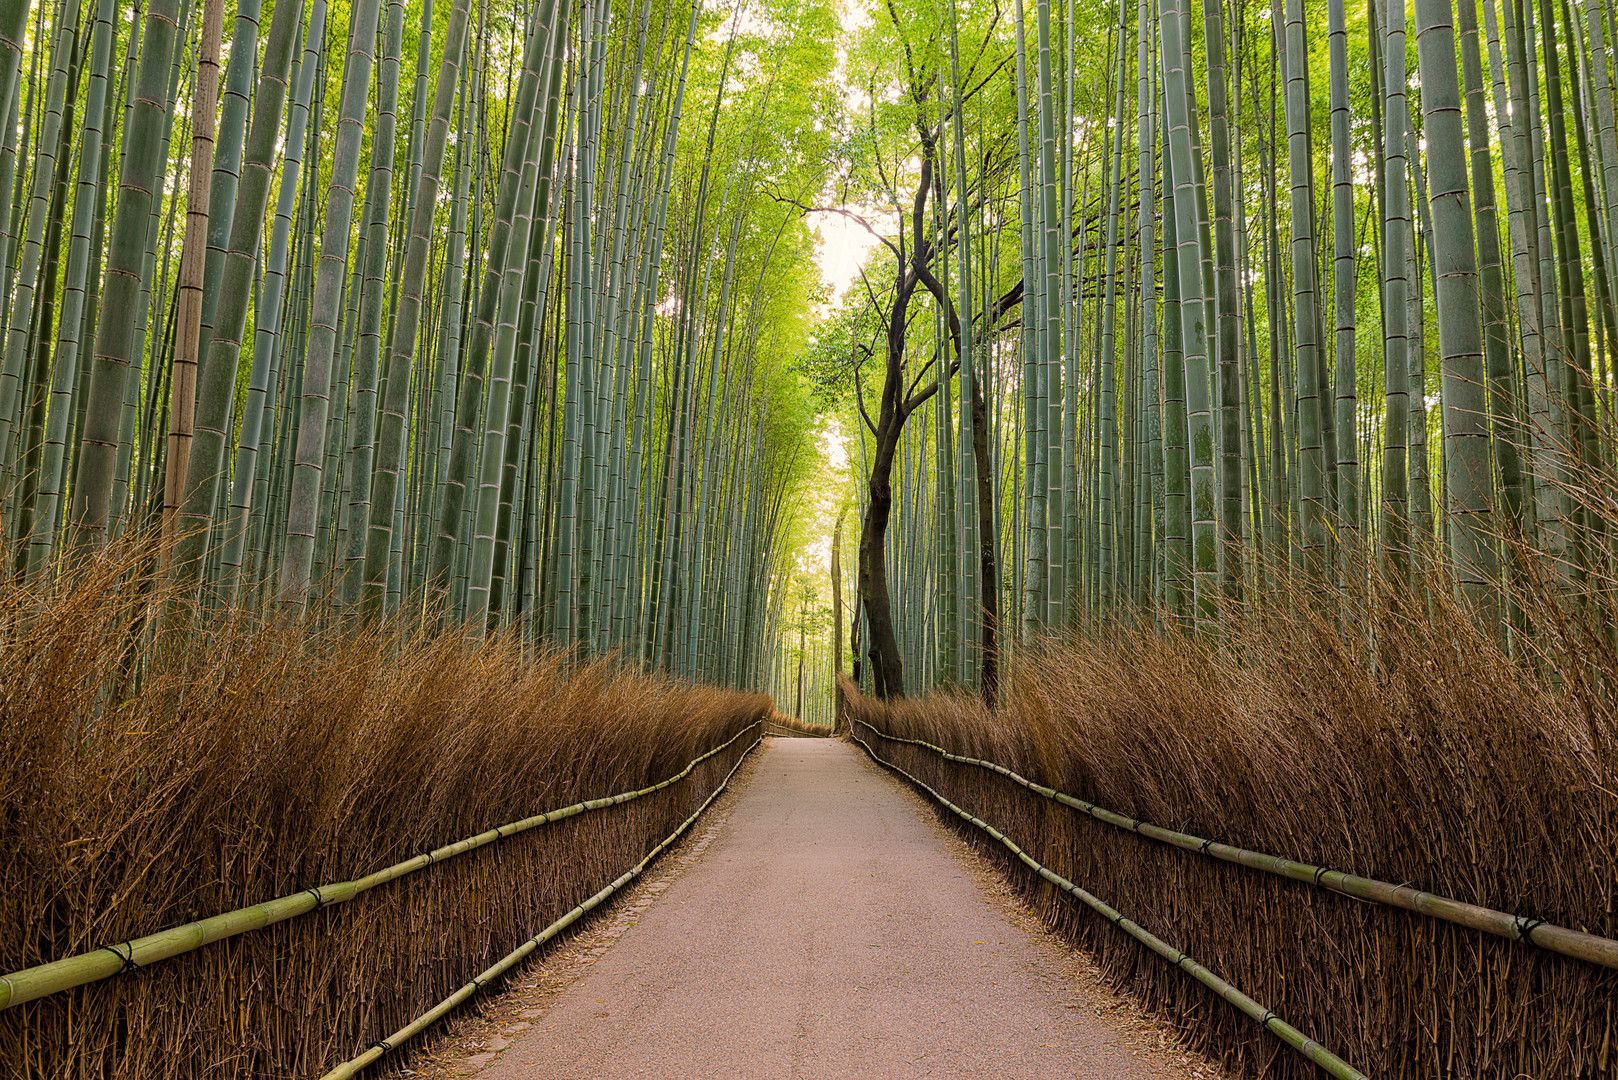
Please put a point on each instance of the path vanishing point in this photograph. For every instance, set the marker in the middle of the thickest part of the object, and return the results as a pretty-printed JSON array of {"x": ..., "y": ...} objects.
[{"x": 828, "y": 931}]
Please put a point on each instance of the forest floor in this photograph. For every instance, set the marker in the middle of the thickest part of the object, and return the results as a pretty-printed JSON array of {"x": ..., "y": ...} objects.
[{"x": 822, "y": 923}]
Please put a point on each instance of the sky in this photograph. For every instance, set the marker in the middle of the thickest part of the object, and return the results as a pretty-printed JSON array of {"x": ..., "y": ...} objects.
[{"x": 842, "y": 250}]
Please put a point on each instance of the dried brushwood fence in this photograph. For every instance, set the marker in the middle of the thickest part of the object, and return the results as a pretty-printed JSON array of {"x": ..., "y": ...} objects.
[
  {"x": 788, "y": 726},
  {"x": 1446, "y": 769},
  {"x": 266, "y": 761}
]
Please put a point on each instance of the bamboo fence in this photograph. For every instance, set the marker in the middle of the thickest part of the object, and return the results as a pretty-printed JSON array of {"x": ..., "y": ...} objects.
[
  {"x": 141, "y": 952},
  {"x": 494, "y": 971},
  {"x": 1526, "y": 929},
  {"x": 1267, "y": 1020},
  {"x": 1495, "y": 963}
]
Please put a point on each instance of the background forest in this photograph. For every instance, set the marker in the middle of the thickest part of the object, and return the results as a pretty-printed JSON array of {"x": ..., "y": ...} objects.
[
  {"x": 1264, "y": 302},
  {"x": 484, "y": 312},
  {"x": 521, "y": 318}
]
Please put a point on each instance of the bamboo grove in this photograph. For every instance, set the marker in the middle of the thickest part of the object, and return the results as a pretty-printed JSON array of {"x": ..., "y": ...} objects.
[
  {"x": 462, "y": 311},
  {"x": 1178, "y": 312}
]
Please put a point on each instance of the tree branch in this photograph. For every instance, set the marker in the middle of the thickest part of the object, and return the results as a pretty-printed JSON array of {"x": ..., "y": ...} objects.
[
  {"x": 849, "y": 214},
  {"x": 859, "y": 394}
]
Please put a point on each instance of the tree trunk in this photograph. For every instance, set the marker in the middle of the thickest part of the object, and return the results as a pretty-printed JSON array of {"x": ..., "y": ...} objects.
[
  {"x": 988, "y": 564},
  {"x": 837, "y": 619},
  {"x": 887, "y": 667}
]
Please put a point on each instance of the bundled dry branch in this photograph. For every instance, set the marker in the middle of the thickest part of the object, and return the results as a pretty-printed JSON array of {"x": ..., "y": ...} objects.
[
  {"x": 1442, "y": 764},
  {"x": 141, "y": 790},
  {"x": 782, "y": 724}
]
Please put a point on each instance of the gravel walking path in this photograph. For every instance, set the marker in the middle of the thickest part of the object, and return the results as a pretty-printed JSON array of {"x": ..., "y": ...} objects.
[{"x": 832, "y": 929}]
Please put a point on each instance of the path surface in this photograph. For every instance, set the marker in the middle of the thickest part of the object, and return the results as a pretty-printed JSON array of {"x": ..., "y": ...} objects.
[{"x": 828, "y": 932}]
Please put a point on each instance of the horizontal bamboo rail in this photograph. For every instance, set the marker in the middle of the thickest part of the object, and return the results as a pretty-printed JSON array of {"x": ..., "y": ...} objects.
[
  {"x": 415, "y": 1027},
  {"x": 1577, "y": 944},
  {"x": 1328, "y": 1061},
  {"x": 779, "y": 730},
  {"x": 110, "y": 960}
]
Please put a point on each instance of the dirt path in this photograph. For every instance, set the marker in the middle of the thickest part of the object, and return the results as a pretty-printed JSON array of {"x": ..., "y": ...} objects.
[{"x": 831, "y": 929}]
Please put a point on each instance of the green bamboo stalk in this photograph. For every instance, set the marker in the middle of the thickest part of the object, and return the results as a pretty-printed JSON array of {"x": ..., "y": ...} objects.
[
  {"x": 536, "y": 185},
  {"x": 1468, "y": 462},
  {"x": 65, "y": 378},
  {"x": 1546, "y": 365},
  {"x": 470, "y": 403},
  {"x": 1227, "y": 314},
  {"x": 1178, "y": 589},
  {"x": 368, "y": 338},
  {"x": 217, "y": 391},
  {"x": 404, "y": 331},
  {"x": 1146, "y": 107},
  {"x": 19, "y": 333},
  {"x": 1305, "y": 295},
  {"x": 1576, "y": 396},
  {"x": 1189, "y": 258},
  {"x": 1108, "y": 418},
  {"x": 1036, "y": 449},
  {"x": 308, "y": 461},
  {"x": 1055, "y": 301},
  {"x": 1345, "y": 290},
  {"x": 226, "y": 164},
  {"x": 1421, "y": 242},
  {"x": 1395, "y": 290},
  {"x": 193, "y": 257},
  {"x": 269, "y": 343},
  {"x": 140, "y": 162}
]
